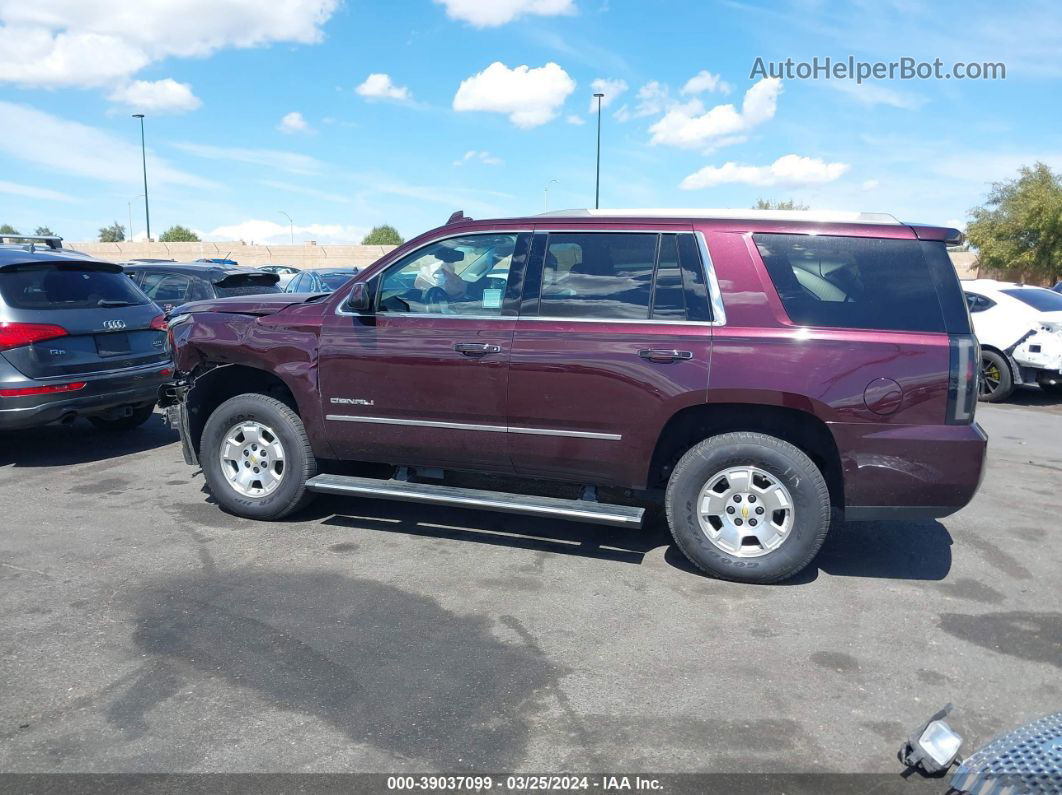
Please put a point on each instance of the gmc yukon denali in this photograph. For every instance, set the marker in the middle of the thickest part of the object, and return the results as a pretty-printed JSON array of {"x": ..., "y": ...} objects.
[{"x": 762, "y": 372}]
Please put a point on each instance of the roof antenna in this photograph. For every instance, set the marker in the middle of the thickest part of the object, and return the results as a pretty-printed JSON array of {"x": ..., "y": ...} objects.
[{"x": 458, "y": 216}]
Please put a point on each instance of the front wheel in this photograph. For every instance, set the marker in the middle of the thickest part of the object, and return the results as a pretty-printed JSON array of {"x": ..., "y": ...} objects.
[
  {"x": 748, "y": 507},
  {"x": 257, "y": 458}
]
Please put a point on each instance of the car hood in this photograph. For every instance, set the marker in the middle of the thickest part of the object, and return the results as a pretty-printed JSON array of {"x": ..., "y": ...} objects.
[{"x": 265, "y": 304}]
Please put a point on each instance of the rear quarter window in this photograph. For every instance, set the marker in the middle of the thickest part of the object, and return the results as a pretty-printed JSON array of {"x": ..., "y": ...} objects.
[
  {"x": 854, "y": 282},
  {"x": 1038, "y": 298},
  {"x": 53, "y": 286}
]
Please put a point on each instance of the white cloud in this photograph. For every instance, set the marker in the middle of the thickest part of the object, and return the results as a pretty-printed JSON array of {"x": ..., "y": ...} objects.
[
  {"x": 302, "y": 190},
  {"x": 51, "y": 43},
  {"x": 530, "y": 96},
  {"x": 484, "y": 157},
  {"x": 872, "y": 94},
  {"x": 690, "y": 126},
  {"x": 380, "y": 86},
  {"x": 653, "y": 98},
  {"x": 789, "y": 171},
  {"x": 870, "y": 184},
  {"x": 33, "y": 192},
  {"x": 706, "y": 81},
  {"x": 69, "y": 147},
  {"x": 610, "y": 88},
  {"x": 159, "y": 96},
  {"x": 292, "y": 162},
  {"x": 292, "y": 123},
  {"x": 575, "y": 119},
  {"x": 492, "y": 13},
  {"x": 261, "y": 231}
]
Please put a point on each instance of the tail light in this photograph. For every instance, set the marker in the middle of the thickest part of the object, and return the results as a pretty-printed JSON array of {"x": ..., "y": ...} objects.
[
  {"x": 50, "y": 389},
  {"x": 15, "y": 335},
  {"x": 159, "y": 323},
  {"x": 963, "y": 368}
]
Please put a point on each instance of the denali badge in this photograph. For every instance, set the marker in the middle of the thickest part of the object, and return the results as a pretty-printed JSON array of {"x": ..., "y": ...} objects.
[
  {"x": 114, "y": 325},
  {"x": 354, "y": 401}
]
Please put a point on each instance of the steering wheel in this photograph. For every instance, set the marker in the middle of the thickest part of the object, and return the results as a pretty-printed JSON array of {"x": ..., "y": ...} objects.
[{"x": 437, "y": 300}]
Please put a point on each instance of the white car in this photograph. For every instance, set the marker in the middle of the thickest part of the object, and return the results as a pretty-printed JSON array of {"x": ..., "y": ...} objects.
[{"x": 1020, "y": 331}]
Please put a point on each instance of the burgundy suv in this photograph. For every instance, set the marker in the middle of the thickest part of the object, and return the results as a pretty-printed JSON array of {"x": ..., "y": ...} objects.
[{"x": 765, "y": 368}]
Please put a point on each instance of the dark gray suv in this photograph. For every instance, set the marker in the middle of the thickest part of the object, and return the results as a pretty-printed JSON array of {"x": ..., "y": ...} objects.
[{"x": 77, "y": 339}]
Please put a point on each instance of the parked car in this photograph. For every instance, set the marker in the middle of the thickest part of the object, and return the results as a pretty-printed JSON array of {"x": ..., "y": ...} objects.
[
  {"x": 320, "y": 280},
  {"x": 77, "y": 339},
  {"x": 761, "y": 368},
  {"x": 172, "y": 284},
  {"x": 1020, "y": 331},
  {"x": 285, "y": 272}
]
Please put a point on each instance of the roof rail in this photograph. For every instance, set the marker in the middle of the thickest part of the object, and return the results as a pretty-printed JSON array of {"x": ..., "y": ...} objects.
[
  {"x": 52, "y": 241},
  {"x": 824, "y": 216}
]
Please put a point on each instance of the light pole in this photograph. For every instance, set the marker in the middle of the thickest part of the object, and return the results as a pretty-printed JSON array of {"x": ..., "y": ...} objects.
[
  {"x": 291, "y": 226},
  {"x": 597, "y": 183},
  {"x": 130, "y": 205},
  {"x": 545, "y": 195},
  {"x": 143, "y": 158}
]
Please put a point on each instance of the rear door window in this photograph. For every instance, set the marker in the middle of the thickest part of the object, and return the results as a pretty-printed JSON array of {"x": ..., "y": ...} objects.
[
  {"x": 598, "y": 275},
  {"x": 55, "y": 286},
  {"x": 853, "y": 282}
]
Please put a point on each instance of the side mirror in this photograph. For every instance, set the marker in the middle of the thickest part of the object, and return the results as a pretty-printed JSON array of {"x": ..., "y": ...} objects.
[{"x": 360, "y": 299}]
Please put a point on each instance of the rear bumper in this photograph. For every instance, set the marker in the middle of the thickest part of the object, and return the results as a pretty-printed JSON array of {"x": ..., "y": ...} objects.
[
  {"x": 102, "y": 392},
  {"x": 909, "y": 471}
]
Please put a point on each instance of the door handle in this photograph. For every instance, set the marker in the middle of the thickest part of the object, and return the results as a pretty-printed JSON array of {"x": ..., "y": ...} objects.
[
  {"x": 476, "y": 348},
  {"x": 664, "y": 355}
]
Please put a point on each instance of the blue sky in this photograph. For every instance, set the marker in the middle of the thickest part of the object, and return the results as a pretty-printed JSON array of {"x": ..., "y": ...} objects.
[{"x": 255, "y": 108}]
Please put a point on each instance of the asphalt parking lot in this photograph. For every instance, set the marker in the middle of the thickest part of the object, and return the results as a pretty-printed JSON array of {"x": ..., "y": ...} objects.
[{"x": 145, "y": 630}]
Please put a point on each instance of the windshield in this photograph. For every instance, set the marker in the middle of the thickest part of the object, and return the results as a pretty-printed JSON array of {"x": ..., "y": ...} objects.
[
  {"x": 66, "y": 286},
  {"x": 333, "y": 281},
  {"x": 1038, "y": 298}
]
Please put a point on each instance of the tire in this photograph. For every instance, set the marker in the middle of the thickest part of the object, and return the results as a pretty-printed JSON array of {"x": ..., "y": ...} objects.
[
  {"x": 995, "y": 382},
  {"x": 140, "y": 415},
  {"x": 271, "y": 422},
  {"x": 772, "y": 462}
]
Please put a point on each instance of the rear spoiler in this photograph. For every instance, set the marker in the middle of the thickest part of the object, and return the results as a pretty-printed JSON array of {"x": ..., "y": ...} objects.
[
  {"x": 63, "y": 264},
  {"x": 952, "y": 237}
]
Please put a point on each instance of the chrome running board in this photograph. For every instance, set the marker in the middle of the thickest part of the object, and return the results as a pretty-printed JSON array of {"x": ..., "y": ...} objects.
[{"x": 505, "y": 502}]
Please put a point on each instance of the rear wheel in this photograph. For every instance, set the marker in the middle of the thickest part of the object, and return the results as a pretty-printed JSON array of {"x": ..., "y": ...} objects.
[
  {"x": 995, "y": 382},
  {"x": 748, "y": 507},
  {"x": 138, "y": 417},
  {"x": 256, "y": 457}
]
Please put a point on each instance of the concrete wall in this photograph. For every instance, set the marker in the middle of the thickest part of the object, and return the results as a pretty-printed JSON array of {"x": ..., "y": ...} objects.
[
  {"x": 313, "y": 256},
  {"x": 300, "y": 256}
]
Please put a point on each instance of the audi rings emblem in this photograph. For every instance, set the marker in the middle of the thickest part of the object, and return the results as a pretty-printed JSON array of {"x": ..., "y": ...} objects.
[{"x": 113, "y": 325}]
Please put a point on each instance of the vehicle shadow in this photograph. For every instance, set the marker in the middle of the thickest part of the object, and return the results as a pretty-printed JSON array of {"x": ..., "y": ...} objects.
[
  {"x": 1032, "y": 396},
  {"x": 494, "y": 529},
  {"x": 891, "y": 550},
  {"x": 79, "y": 443}
]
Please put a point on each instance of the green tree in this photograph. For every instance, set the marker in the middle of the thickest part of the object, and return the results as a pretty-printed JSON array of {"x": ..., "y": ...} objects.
[
  {"x": 1018, "y": 230},
  {"x": 788, "y": 204},
  {"x": 115, "y": 233},
  {"x": 7, "y": 229},
  {"x": 178, "y": 234},
  {"x": 43, "y": 230},
  {"x": 385, "y": 235}
]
